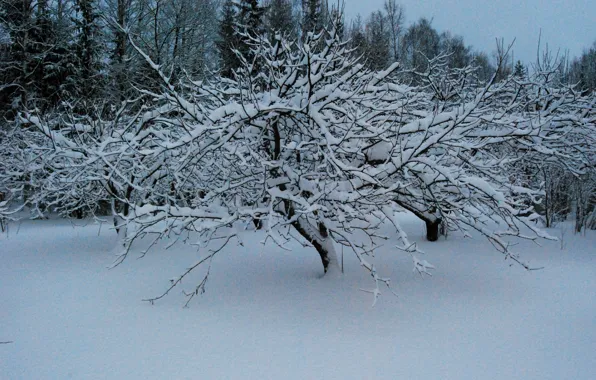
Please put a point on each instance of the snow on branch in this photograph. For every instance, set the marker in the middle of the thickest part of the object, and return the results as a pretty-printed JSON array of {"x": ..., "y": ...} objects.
[{"x": 314, "y": 147}]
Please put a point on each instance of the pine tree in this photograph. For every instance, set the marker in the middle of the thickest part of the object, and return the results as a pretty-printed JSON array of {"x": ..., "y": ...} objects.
[
  {"x": 582, "y": 70},
  {"x": 249, "y": 26},
  {"x": 336, "y": 17},
  {"x": 17, "y": 17},
  {"x": 119, "y": 65},
  {"x": 88, "y": 53},
  {"x": 36, "y": 66},
  {"x": 50, "y": 67},
  {"x": 279, "y": 18},
  {"x": 378, "y": 42},
  {"x": 228, "y": 40},
  {"x": 357, "y": 39},
  {"x": 325, "y": 20},
  {"x": 520, "y": 70},
  {"x": 311, "y": 16}
]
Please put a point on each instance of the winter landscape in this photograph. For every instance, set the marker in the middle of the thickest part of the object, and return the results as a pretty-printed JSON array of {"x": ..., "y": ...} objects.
[
  {"x": 275, "y": 189},
  {"x": 268, "y": 313}
]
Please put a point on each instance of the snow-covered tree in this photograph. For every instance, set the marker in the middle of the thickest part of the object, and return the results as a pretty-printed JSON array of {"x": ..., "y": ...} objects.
[
  {"x": 317, "y": 147},
  {"x": 321, "y": 149}
]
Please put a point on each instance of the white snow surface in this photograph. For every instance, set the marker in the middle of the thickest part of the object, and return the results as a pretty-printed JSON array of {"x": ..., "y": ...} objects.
[{"x": 268, "y": 314}]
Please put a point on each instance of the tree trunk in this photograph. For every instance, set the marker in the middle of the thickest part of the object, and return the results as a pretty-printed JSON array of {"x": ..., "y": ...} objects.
[
  {"x": 1, "y": 218},
  {"x": 318, "y": 238},
  {"x": 78, "y": 214},
  {"x": 579, "y": 217},
  {"x": 579, "y": 208},
  {"x": 120, "y": 50},
  {"x": 119, "y": 225},
  {"x": 121, "y": 229},
  {"x": 258, "y": 224},
  {"x": 432, "y": 229},
  {"x": 433, "y": 223},
  {"x": 322, "y": 243}
]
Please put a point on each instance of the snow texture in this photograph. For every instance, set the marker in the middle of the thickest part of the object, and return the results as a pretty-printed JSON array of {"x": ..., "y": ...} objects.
[{"x": 267, "y": 313}]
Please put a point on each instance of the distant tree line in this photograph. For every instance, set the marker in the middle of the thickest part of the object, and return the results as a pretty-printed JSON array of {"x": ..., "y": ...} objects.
[
  {"x": 78, "y": 53},
  {"x": 582, "y": 70}
]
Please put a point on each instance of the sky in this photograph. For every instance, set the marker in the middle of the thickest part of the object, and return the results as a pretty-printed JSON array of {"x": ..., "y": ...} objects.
[{"x": 566, "y": 25}]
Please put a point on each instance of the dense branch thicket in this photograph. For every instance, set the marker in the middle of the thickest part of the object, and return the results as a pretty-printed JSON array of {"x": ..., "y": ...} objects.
[
  {"x": 312, "y": 139},
  {"x": 314, "y": 146}
]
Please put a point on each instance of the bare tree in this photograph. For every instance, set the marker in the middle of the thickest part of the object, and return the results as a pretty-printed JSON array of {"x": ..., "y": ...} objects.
[{"x": 396, "y": 18}]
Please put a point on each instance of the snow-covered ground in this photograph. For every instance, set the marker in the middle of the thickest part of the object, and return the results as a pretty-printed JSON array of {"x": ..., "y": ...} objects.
[{"x": 267, "y": 314}]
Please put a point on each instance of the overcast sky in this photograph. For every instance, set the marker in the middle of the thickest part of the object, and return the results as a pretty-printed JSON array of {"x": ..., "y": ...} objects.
[{"x": 565, "y": 24}]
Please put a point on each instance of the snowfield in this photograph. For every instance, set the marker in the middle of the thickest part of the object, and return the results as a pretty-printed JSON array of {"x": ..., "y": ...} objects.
[{"x": 268, "y": 314}]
